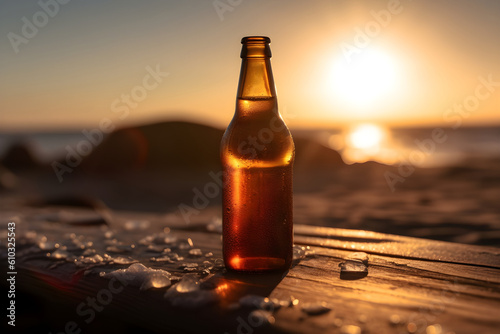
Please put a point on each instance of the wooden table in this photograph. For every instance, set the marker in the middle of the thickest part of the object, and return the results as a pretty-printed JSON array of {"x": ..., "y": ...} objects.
[{"x": 412, "y": 286}]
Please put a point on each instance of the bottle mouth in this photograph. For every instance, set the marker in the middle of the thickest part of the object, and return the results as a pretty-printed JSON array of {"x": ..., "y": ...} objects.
[
  {"x": 255, "y": 40},
  {"x": 255, "y": 47}
]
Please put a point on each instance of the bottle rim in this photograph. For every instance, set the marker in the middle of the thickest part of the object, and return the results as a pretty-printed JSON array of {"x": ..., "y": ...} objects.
[{"x": 255, "y": 40}]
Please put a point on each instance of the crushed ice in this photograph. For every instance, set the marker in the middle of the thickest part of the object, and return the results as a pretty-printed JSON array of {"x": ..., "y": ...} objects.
[
  {"x": 141, "y": 276},
  {"x": 188, "y": 293}
]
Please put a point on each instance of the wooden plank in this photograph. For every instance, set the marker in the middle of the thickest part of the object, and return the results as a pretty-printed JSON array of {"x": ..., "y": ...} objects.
[
  {"x": 398, "y": 246},
  {"x": 422, "y": 282}
]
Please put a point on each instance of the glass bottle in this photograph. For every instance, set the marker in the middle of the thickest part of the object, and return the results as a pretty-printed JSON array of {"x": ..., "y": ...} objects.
[{"x": 257, "y": 153}]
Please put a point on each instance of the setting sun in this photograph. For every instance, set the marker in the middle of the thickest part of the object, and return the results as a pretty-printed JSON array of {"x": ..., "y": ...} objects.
[
  {"x": 364, "y": 79},
  {"x": 363, "y": 142},
  {"x": 366, "y": 136}
]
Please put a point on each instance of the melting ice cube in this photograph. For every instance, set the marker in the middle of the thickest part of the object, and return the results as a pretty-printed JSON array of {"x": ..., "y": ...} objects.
[
  {"x": 188, "y": 293},
  {"x": 359, "y": 256},
  {"x": 188, "y": 283},
  {"x": 355, "y": 266},
  {"x": 299, "y": 252},
  {"x": 156, "y": 281}
]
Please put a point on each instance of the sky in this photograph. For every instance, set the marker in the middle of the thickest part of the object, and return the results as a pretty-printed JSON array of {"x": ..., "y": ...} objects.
[{"x": 70, "y": 64}]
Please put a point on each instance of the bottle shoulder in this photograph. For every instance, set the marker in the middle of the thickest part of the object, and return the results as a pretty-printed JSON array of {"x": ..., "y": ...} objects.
[{"x": 262, "y": 141}]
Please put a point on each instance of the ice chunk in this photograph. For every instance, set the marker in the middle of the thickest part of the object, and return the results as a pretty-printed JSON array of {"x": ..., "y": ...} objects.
[
  {"x": 162, "y": 238},
  {"x": 123, "y": 260},
  {"x": 263, "y": 303},
  {"x": 158, "y": 249},
  {"x": 184, "y": 245},
  {"x": 350, "y": 329},
  {"x": 59, "y": 254},
  {"x": 120, "y": 248},
  {"x": 188, "y": 293},
  {"x": 394, "y": 319},
  {"x": 88, "y": 252},
  {"x": 253, "y": 301},
  {"x": 434, "y": 329},
  {"x": 261, "y": 317},
  {"x": 355, "y": 266},
  {"x": 188, "y": 283},
  {"x": 175, "y": 257},
  {"x": 27, "y": 238},
  {"x": 135, "y": 225},
  {"x": 270, "y": 304},
  {"x": 139, "y": 275},
  {"x": 156, "y": 281},
  {"x": 168, "y": 240},
  {"x": 45, "y": 245},
  {"x": 161, "y": 259},
  {"x": 358, "y": 256},
  {"x": 316, "y": 308},
  {"x": 293, "y": 301},
  {"x": 219, "y": 263},
  {"x": 195, "y": 252},
  {"x": 82, "y": 261},
  {"x": 109, "y": 234},
  {"x": 299, "y": 252},
  {"x": 215, "y": 225},
  {"x": 189, "y": 266},
  {"x": 310, "y": 252}
]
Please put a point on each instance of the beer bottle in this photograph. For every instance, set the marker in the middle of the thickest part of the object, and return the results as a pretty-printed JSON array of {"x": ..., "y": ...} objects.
[{"x": 257, "y": 153}]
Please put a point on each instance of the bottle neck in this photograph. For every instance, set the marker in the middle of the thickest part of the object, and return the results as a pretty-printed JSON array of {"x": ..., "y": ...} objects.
[{"x": 256, "y": 77}]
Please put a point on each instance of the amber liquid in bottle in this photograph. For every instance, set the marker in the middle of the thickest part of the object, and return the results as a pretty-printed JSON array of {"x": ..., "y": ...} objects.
[{"x": 257, "y": 154}]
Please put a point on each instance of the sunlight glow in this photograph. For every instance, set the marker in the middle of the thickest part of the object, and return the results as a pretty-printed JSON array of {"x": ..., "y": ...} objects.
[
  {"x": 365, "y": 142},
  {"x": 365, "y": 136},
  {"x": 365, "y": 79}
]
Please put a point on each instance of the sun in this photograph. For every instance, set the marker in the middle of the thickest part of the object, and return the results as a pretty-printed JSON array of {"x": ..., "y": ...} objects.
[
  {"x": 365, "y": 136},
  {"x": 363, "y": 142},
  {"x": 364, "y": 79}
]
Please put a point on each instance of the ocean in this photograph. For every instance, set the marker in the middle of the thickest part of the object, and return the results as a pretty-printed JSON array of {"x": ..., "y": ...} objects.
[{"x": 422, "y": 146}]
